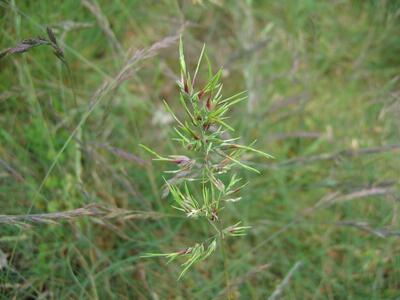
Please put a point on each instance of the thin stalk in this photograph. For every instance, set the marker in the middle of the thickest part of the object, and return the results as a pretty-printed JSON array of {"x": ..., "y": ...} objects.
[{"x": 225, "y": 260}]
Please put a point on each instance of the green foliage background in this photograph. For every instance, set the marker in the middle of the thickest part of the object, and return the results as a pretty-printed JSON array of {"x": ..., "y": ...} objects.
[{"x": 322, "y": 77}]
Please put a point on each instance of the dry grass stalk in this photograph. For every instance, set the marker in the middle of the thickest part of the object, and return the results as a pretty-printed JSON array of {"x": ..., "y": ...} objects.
[
  {"x": 92, "y": 210},
  {"x": 104, "y": 24},
  {"x": 331, "y": 156},
  {"x": 336, "y": 197},
  {"x": 121, "y": 153},
  {"x": 277, "y": 294},
  {"x": 380, "y": 232},
  {"x": 11, "y": 171}
]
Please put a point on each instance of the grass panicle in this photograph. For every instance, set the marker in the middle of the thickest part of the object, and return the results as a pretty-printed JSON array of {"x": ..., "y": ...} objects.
[{"x": 202, "y": 134}]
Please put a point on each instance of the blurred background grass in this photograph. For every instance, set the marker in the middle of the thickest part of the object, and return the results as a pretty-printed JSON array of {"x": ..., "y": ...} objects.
[{"x": 323, "y": 85}]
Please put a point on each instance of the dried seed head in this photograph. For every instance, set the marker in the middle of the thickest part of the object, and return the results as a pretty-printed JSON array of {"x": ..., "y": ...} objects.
[
  {"x": 51, "y": 36},
  {"x": 185, "y": 251},
  {"x": 180, "y": 159},
  {"x": 214, "y": 214},
  {"x": 186, "y": 87},
  {"x": 201, "y": 93},
  {"x": 208, "y": 104}
]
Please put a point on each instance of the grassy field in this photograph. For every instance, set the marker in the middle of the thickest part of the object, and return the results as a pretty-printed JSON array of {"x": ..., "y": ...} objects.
[{"x": 323, "y": 98}]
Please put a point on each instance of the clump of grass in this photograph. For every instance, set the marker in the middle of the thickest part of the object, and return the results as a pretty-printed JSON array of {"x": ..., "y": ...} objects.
[{"x": 204, "y": 133}]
